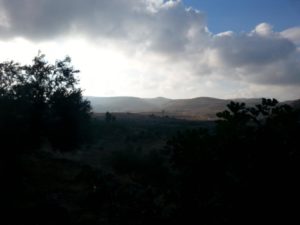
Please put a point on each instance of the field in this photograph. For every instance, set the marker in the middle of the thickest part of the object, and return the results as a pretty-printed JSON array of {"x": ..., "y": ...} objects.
[
  {"x": 156, "y": 169},
  {"x": 108, "y": 181},
  {"x": 131, "y": 132}
]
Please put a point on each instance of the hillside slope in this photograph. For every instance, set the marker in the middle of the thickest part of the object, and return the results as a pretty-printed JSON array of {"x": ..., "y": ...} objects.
[{"x": 201, "y": 108}]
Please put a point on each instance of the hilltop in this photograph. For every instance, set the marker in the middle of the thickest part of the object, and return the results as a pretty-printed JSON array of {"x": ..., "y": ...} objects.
[{"x": 200, "y": 108}]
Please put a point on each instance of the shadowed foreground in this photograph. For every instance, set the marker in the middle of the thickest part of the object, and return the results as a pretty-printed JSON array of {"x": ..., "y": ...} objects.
[{"x": 59, "y": 165}]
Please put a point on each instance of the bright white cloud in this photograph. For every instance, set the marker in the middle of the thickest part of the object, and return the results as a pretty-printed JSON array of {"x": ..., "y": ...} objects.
[
  {"x": 263, "y": 29},
  {"x": 292, "y": 34},
  {"x": 152, "y": 48}
]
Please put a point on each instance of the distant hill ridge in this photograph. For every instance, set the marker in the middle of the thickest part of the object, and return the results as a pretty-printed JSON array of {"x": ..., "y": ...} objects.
[{"x": 194, "y": 108}]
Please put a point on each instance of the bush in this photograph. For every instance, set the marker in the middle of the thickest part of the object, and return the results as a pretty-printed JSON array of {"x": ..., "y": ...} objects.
[{"x": 249, "y": 164}]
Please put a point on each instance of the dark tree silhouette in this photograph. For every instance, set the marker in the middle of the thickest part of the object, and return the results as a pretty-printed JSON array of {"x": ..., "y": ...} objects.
[
  {"x": 42, "y": 102},
  {"x": 109, "y": 117},
  {"x": 244, "y": 171}
]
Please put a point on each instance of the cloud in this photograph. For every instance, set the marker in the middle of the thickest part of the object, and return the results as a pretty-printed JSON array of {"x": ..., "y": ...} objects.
[
  {"x": 263, "y": 29},
  {"x": 292, "y": 34},
  {"x": 243, "y": 50},
  {"x": 44, "y": 19},
  {"x": 260, "y": 56},
  {"x": 162, "y": 25},
  {"x": 160, "y": 43}
]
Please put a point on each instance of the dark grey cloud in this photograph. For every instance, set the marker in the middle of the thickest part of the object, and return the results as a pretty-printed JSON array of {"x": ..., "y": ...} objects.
[
  {"x": 45, "y": 19},
  {"x": 174, "y": 30},
  {"x": 138, "y": 21},
  {"x": 246, "y": 50},
  {"x": 261, "y": 56},
  {"x": 166, "y": 28}
]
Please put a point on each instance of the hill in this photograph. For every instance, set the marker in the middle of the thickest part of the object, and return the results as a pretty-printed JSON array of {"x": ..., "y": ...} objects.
[
  {"x": 201, "y": 108},
  {"x": 127, "y": 104}
]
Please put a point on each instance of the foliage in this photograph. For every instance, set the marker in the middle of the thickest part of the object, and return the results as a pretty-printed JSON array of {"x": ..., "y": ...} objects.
[
  {"x": 40, "y": 105},
  {"x": 234, "y": 174},
  {"x": 250, "y": 163},
  {"x": 42, "y": 102},
  {"x": 109, "y": 117}
]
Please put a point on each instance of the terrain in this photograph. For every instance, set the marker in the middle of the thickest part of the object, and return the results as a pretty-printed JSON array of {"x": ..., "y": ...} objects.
[
  {"x": 141, "y": 161},
  {"x": 152, "y": 168},
  {"x": 201, "y": 108}
]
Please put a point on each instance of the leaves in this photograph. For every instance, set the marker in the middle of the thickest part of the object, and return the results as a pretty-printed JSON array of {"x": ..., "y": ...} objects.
[
  {"x": 41, "y": 93},
  {"x": 252, "y": 157}
]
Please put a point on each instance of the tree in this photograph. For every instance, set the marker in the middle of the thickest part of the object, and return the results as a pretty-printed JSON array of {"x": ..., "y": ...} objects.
[
  {"x": 42, "y": 102},
  {"x": 250, "y": 163},
  {"x": 109, "y": 117}
]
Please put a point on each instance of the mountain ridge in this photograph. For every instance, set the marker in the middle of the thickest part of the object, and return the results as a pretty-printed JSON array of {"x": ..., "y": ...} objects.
[{"x": 204, "y": 108}]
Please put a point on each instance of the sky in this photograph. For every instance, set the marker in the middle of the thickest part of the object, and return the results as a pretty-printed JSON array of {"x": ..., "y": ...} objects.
[
  {"x": 169, "y": 48},
  {"x": 243, "y": 15}
]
